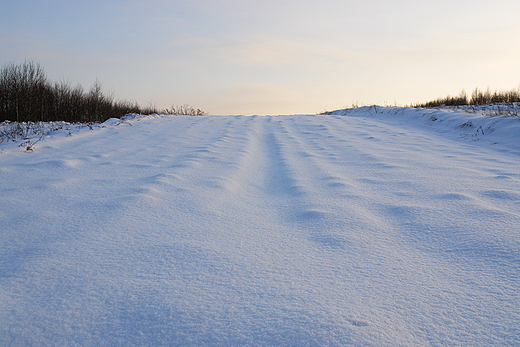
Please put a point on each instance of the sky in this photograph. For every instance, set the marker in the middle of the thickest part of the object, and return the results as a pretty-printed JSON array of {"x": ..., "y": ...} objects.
[{"x": 268, "y": 57}]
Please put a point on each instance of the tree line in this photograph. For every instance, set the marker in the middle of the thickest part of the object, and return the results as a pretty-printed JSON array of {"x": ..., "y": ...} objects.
[
  {"x": 477, "y": 97},
  {"x": 26, "y": 95}
]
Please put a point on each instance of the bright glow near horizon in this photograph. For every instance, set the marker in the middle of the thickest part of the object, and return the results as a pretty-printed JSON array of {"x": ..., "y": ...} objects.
[{"x": 268, "y": 57}]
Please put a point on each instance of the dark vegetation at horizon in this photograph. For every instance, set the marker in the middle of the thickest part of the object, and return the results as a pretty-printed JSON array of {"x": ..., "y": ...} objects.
[
  {"x": 26, "y": 95},
  {"x": 477, "y": 98},
  {"x": 502, "y": 99}
]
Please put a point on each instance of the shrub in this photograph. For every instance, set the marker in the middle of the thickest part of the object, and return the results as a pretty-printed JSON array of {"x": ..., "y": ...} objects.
[
  {"x": 478, "y": 97},
  {"x": 185, "y": 110},
  {"x": 26, "y": 95},
  {"x": 461, "y": 99}
]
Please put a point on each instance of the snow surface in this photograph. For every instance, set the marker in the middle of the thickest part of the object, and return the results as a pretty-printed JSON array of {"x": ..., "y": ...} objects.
[{"x": 365, "y": 227}]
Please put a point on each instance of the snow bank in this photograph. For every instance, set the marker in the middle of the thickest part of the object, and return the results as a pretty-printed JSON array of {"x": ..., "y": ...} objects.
[{"x": 491, "y": 124}]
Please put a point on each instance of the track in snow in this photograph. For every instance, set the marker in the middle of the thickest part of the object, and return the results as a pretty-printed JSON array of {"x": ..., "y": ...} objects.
[{"x": 288, "y": 230}]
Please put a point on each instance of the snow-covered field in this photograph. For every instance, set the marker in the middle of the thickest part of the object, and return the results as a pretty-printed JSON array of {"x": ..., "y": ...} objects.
[{"x": 366, "y": 227}]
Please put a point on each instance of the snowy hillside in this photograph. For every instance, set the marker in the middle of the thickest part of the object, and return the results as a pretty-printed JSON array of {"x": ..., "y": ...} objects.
[{"x": 365, "y": 227}]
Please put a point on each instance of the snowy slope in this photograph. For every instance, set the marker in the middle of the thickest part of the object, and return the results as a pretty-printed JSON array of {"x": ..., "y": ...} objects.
[{"x": 367, "y": 227}]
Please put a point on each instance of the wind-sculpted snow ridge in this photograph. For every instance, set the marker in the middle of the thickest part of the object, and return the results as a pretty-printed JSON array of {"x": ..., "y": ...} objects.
[
  {"x": 30, "y": 133},
  {"x": 490, "y": 124},
  {"x": 370, "y": 227}
]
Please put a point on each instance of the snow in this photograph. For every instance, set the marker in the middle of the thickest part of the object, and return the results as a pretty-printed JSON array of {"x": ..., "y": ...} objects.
[{"x": 365, "y": 227}]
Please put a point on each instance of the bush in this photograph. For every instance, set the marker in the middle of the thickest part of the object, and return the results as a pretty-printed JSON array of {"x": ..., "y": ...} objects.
[
  {"x": 27, "y": 96},
  {"x": 478, "y": 97},
  {"x": 185, "y": 110},
  {"x": 484, "y": 98},
  {"x": 460, "y": 100}
]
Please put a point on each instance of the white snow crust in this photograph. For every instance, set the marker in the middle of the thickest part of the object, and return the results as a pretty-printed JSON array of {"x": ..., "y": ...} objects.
[{"x": 364, "y": 227}]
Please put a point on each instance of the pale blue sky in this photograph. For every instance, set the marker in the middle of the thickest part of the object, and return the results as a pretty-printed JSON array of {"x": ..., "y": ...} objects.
[{"x": 268, "y": 57}]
